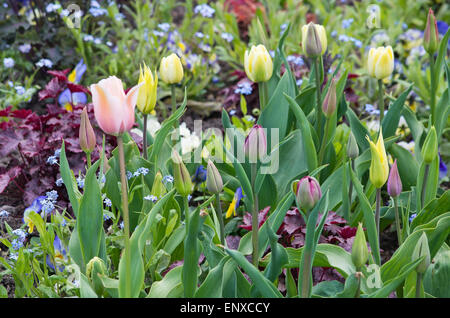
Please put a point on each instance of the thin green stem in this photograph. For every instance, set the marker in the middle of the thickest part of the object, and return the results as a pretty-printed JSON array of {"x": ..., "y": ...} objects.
[
  {"x": 350, "y": 188},
  {"x": 88, "y": 159},
  {"x": 144, "y": 138},
  {"x": 418, "y": 284},
  {"x": 381, "y": 100},
  {"x": 174, "y": 98},
  {"x": 220, "y": 217},
  {"x": 323, "y": 145},
  {"x": 377, "y": 213},
  {"x": 424, "y": 186},
  {"x": 319, "y": 114},
  {"x": 397, "y": 222},
  {"x": 358, "y": 275},
  {"x": 255, "y": 225},
  {"x": 433, "y": 90},
  {"x": 186, "y": 212},
  {"x": 126, "y": 220},
  {"x": 263, "y": 94}
]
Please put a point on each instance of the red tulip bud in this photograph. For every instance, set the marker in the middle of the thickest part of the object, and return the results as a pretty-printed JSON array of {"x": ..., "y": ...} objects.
[{"x": 431, "y": 35}]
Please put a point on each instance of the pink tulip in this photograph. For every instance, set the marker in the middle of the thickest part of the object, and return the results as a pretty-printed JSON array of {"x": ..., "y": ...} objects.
[{"x": 113, "y": 109}]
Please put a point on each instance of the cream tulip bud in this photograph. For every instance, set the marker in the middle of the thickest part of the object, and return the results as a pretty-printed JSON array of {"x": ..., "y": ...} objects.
[
  {"x": 171, "y": 70},
  {"x": 380, "y": 62},
  {"x": 314, "y": 39},
  {"x": 258, "y": 64}
]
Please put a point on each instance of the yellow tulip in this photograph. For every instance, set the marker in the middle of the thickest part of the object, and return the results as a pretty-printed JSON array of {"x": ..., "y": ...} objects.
[
  {"x": 258, "y": 64},
  {"x": 171, "y": 70},
  {"x": 380, "y": 62},
  {"x": 379, "y": 166},
  {"x": 147, "y": 92},
  {"x": 320, "y": 31}
]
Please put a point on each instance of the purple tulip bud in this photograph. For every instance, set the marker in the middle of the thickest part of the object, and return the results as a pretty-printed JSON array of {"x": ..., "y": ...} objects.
[
  {"x": 307, "y": 192},
  {"x": 255, "y": 145},
  {"x": 394, "y": 184}
]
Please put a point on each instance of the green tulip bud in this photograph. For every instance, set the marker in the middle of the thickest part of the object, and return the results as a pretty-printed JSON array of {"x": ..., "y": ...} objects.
[
  {"x": 329, "y": 103},
  {"x": 214, "y": 181},
  {"x": 420, "y": 250},
  {"x": 95, "y": 267},
  {"x": 431, "y": 34},
  {"x": 352, "y": 147},
  {"x": 360, "y": 252},
  {"x": 158, "y": 188},
  {"x": 182, "y": 179},
  {"x": 430, "y": 146}
]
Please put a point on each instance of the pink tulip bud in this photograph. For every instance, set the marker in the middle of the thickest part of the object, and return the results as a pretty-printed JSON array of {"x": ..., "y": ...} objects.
[
  {"x": 329, "y": 103},
  {"x": 255, "y": 145},
  {"x": 431, "y": 35},
  {"x": 114, "y": 110},
  {"x": 394, "y": 184},
  {"x": 86, "y": 134},
  {"x": 307, "y": 192}
]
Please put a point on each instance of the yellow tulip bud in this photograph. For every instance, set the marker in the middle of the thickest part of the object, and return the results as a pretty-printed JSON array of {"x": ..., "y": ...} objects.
[
  {"x": 171, "y": 70},
  {"x": 258, "y": 64},
  {"x": 322, "y": 36},
  {"x": 379, "y": 167},
  {"x": 380, "y": 62},
  {"x": 146, "y": 100}
]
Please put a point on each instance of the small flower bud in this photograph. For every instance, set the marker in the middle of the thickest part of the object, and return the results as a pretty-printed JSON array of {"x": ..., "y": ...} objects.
[
  {"x": 360, "y": 252},
  {"x": 420, "y": 250},
  {"x": 182, "y": 179},
  {"x": 146, "y": 100},
  {"x": 158, "y": 188},
  {"x": 430, "y": 146},
  {"x": 352, "y": 147},
  {"x": 214, "y": 182},
  {"x": 329, "y": 103},
  {"x": 95, "y": 267},
  {"x": 313, "y": 47},
  {"x": 307, "y": 191},
  {"x": 314, "y": 39},
  {"x": 379, "y": 167},
  {"x": 394, "y": 184},
  {"x": 86, "y": 133},
  {"x": 431, "y": 34},
  {"x": 255, "y": 145}
]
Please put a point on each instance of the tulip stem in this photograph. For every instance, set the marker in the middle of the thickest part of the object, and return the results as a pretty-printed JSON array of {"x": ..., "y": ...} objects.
[
  {"x": 186, "y": 212},
  {"x": 88, "y": 159},
  {"x": 358, "y": 275},
  {"x": 397, "y": 222},
  {"x": 144, "y": 138},
  {"x": 424, "y": 186},
  {"x": 220, "y": 217},
  {"x": 174, "y": 99},
  {"x": 263, "y": 94},
  {"x": 433, "y": 90},
  {"x": 418, "y": 284},
  {"x": 126, "y": 221},
  {"x": 323, "y": 145},
  {"x": 381, "y": 100},
  {"x": 255, "y": 225},
  {"x": 377, "y": 212},
  {"x": 350, "y": 188},
  {"x": 318, "y": 98}
]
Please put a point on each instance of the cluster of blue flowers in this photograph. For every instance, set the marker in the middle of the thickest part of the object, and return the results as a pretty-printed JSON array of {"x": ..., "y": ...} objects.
[
  {"x": 205, "y": 10},
  {"x": 244, "y": 88},
  {"x": 44, "y": 62},
  {"x": 17, "y": 243},
  {"x": 53, "y": 160},
  {"x": 140, "y": 171},
  {"x": 151, "y": 198}
]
